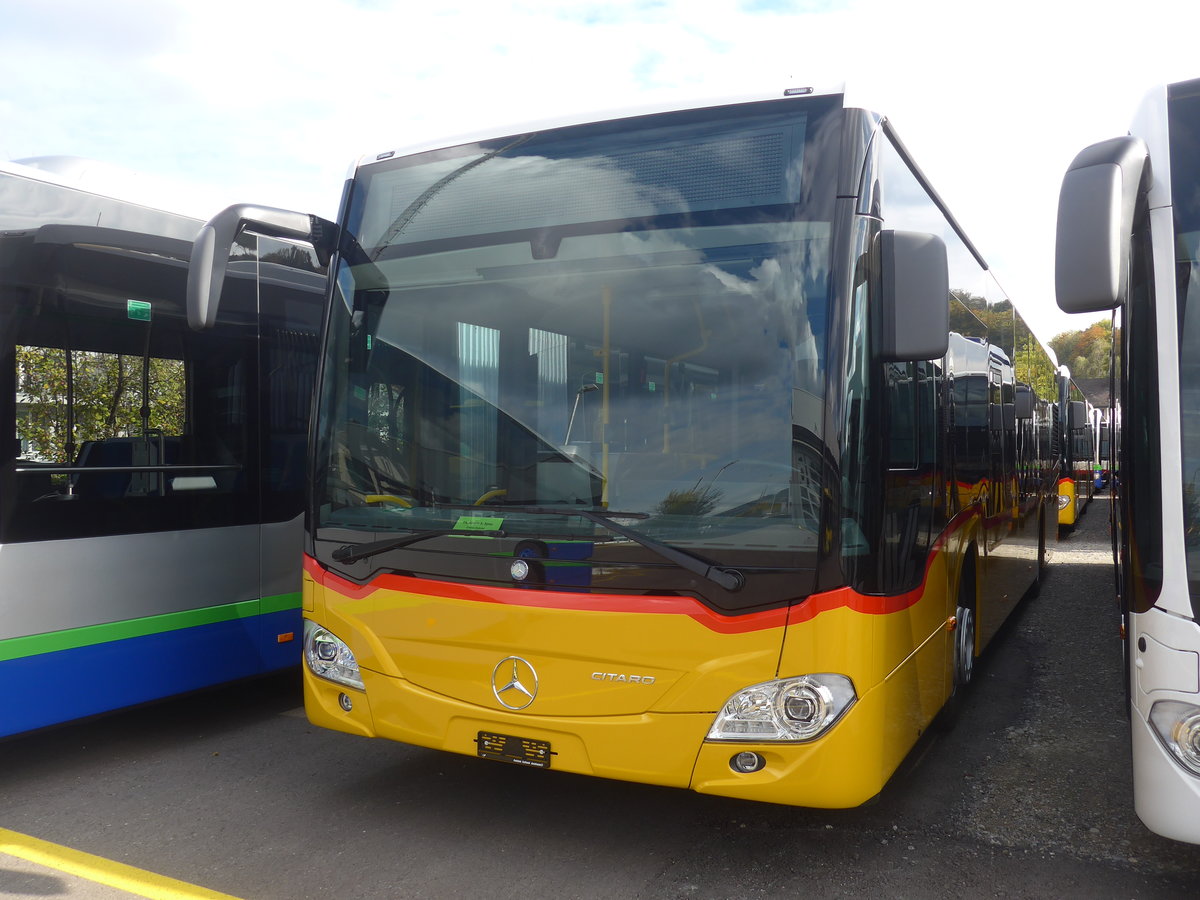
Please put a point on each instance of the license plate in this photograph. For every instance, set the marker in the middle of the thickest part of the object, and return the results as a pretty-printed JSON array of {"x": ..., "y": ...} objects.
[{"x": 519, "y": 750}]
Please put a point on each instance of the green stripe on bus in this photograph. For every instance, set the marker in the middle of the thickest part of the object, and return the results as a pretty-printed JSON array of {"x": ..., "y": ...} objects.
[
  {"x": 280, "y": 603},
  {"x": 73, "y": 638}
]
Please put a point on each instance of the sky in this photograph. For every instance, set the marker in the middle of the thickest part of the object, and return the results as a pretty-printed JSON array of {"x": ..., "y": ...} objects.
[{"x": 212, "y": 102}]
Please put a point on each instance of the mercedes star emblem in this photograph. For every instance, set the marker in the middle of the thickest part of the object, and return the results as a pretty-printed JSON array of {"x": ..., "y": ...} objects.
[{"x": 514, "y": 682}]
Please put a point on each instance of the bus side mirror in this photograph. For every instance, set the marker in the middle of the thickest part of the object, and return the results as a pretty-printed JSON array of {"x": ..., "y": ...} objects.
[
  {"x": 913, "y": 314},
  {"x": 214, "y": 243},
  {"x": 1096, "y": 206},
  {"x": 1024, "y": 402},
  {"x": 1077, "y": 415},
  {"x": 1004, "y": 417}
]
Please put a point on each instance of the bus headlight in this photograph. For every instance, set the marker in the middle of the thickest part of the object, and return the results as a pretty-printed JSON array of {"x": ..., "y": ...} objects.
[
  {"x": 791, "y": 709},
  {"x": 1177, "y": 725},
  {"x": 328, "y": 657},
  {"x": 1063, "y": 501}
]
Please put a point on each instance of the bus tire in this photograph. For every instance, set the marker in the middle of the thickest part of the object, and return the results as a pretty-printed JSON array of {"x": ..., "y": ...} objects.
[
  {"x": 964, "y": 646},
  {"x": 963, "y": 657},
  {"x": 1040, "y": 575}
]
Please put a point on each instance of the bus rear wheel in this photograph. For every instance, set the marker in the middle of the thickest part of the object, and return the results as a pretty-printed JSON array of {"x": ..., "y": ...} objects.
[
  {"x": 1039, "y": 576},
  {"x": 963, "y": 653},
  {"x": 964, "y": 646}
]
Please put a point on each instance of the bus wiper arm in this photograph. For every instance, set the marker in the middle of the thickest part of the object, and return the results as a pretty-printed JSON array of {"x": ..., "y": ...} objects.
[
  {"x": 730, "y": 579},
  {"x": 352, "y": 553},
  {"x": 546, "y": 510}
]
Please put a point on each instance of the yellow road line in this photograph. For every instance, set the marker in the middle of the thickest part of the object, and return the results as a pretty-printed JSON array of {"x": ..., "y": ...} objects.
[{"x": 101, "y": 870}]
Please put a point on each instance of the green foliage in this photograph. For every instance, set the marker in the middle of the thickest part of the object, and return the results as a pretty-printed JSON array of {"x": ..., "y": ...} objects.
[
  {"x": 1032, "y": 365},
  {"x": 698, "y": 501},
  {"x": 1086, "y": 353},
  {"x": 972, "y": 316},
  {"x": 106, "y": 395},
  {"x": 965, "y": 314}
]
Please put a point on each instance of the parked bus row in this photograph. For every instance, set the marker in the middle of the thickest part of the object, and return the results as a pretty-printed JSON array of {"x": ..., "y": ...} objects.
[
  {"x": 1076, "y": 481},
  {"x": 1102, "y": 446},
  {"x": 695, "y": 447}
]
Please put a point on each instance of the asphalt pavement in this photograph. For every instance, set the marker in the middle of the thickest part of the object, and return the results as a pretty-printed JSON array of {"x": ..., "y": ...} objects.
[{"x": 232, "y": 791}]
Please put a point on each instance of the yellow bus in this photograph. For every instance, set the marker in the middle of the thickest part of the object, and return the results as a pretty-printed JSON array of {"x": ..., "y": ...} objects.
[
  {"x": 692, "y": 447},
  {"x": 1076, "y": 480}
]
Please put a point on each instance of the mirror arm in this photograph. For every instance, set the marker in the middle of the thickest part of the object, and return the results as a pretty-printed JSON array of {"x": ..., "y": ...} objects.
[{"x": 214, "y": 243}]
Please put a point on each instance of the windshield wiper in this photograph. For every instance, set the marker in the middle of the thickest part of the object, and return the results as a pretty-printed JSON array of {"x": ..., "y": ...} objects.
[
  {"x": 730, "y": 579},
  {"x": 352, "y": 553}
]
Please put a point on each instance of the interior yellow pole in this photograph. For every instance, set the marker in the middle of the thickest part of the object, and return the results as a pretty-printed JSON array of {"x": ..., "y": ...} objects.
[{"x": 606, "y": 302}]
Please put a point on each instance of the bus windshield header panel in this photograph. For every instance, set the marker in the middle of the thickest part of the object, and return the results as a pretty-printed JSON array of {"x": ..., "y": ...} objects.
[{"x": 582, "y": 346}]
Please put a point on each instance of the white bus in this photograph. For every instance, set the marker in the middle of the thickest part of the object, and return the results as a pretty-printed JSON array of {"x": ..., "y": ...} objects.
[
  {"x": 1129, "y": 240},
  {"x": 151, "y": 477},
  {"x": 1102, "y": 446}
]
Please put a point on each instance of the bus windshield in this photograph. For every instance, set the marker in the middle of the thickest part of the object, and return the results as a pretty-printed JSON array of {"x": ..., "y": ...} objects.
[
  {"x": 627, "y": 319},
  {"x": 1184, "y": 123}
]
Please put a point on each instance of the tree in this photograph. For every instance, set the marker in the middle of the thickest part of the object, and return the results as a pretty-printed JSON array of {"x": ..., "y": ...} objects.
[
  {"x": 294, "y": 258},
  {"x": 1086, "y": 352},
  {"x": 1032, "y": 365},
  {"x": 105, "y": 392}
]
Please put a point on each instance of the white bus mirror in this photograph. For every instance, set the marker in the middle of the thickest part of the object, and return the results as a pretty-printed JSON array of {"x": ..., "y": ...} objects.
[{"x": 1096, "y": 206}]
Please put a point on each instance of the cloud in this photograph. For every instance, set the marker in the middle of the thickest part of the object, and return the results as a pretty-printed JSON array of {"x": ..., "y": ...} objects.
[{"x": 270, "y": 101}]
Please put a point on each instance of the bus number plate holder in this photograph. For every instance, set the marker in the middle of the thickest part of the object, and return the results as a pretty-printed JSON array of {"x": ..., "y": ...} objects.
[{"x": 512, "y": 749}]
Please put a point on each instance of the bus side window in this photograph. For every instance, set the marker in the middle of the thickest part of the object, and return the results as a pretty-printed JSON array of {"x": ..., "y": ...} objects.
[{"x": 900, "y": 380}]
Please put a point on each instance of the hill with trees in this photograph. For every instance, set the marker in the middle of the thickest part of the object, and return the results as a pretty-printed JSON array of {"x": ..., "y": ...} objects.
[{"x": 1087, "y": 352}]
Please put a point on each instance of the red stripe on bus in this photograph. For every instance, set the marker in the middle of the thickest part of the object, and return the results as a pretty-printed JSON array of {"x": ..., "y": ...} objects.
[
  {"x": 618, "y": 603},
  {"x": 804, "y": 611}
]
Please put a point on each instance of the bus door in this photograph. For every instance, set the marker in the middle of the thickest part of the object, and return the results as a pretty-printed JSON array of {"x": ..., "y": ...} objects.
[
  {"x": 910, "y": 490},
  {"x": 997, "y": 454}
]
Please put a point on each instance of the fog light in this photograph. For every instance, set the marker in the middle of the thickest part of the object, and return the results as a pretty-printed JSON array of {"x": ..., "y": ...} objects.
[
  {"x": 746, "y": 762},
  {"x": 345, "y": 702}
]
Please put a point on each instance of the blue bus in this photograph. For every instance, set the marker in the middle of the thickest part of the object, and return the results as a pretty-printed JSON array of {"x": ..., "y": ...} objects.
[{"x": 152, "y": 479}]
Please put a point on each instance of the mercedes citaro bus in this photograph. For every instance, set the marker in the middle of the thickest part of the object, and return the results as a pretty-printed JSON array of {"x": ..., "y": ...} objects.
[{"x": 694, "y": 446}]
